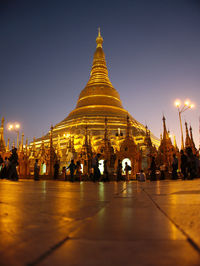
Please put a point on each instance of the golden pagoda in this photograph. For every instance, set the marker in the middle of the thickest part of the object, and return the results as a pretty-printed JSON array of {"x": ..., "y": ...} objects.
[{"x": 99, "y": 99}]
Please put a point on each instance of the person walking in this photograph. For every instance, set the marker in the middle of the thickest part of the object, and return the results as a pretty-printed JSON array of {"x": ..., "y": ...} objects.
[{"x": 127, "y": 168}]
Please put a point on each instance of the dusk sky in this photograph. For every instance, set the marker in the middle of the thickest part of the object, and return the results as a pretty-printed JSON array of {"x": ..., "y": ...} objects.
[{"x": 152, "y": 52}]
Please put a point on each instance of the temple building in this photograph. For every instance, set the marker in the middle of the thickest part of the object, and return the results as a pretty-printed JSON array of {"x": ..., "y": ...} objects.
[{"x": 97, "y": 101}]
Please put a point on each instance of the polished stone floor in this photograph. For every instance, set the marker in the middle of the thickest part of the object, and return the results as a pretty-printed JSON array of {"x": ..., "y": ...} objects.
[{"x": 62, "y": 223}]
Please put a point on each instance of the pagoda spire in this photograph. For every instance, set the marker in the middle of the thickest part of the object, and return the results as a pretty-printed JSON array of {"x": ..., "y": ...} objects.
[
  {"x": 187, "y": 138},
  {"x": 165, "y": 133},
  {"x": 99, "y": 72},
  {"x": 2, "y": 141},
  {"x": 192, "y": 141},
  {"x": 8, "y": 145},
  {"x": 128, "y": 127}
]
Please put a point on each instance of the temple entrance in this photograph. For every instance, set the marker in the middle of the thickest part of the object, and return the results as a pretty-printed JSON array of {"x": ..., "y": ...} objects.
[
  {"x": 43, "y": 169},
  {"x": 101, "y": 166},
  {"x": 123, "y": 165}
]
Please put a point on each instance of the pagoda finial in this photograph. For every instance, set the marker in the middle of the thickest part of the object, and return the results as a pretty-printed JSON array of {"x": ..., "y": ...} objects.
[{"x": 99, "y": 39}]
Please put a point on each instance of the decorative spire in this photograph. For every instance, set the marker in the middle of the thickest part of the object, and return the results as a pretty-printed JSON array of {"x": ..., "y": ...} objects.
[
  {"x": 99, "y": 72},
  {"x": 175, "y": 144},
  {"x": 22, "y": 142},
  {"x": 99, "y": 39},
  {"x": 192, "y": 141},
  {"x": 165, "y": 133},
  {"x": 8, "y": 145},
  {"x": 128, "y": 127},
  {"x": 2, "y": 141},
  {"x": 187, "y": 138}
]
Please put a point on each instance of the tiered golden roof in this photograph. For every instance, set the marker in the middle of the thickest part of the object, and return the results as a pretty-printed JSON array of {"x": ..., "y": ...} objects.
[{"x": 99, "y": 99}]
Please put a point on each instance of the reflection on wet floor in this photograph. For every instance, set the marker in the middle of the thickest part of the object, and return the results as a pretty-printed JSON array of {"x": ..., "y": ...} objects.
[{"x": 41, "y": 214}]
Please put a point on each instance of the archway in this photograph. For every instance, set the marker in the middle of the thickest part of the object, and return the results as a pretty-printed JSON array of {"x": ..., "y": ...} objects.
[
  {"x": 101, "y": 166},
  {"x": 123, "y": 164}
]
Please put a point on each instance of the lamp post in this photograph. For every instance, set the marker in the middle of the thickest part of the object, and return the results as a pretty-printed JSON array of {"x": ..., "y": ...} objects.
[
  {"x": 187, "y": 105},
  {"x": 15, "y": 127}
]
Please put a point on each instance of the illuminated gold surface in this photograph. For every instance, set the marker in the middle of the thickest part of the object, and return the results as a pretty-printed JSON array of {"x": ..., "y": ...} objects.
[{"x": 99, "y": 99}]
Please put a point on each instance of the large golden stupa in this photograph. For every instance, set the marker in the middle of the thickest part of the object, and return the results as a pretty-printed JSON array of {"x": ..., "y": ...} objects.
[{"x": 97, "y": 101}]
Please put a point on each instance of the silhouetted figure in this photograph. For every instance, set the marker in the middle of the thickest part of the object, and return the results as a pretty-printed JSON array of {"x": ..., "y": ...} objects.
[
  {"x": 64, "y": 173},
  {"x": 72, "y": 168},
  {"x": 36, "y": 170},
  {"x": 174, "y": 167},
  {"x": 153, "y": 169},
  {"x": 127, "y": 168},
  {"x": 142, "y": 176},
  {"x": 184, "y": 166},
  {"x": 56, "y": 169},
  {"x": 197, "y": 164},
  {"x": 1, "y": 167},
  {"x": 162, "y": 172},
  {"x": 4, "y": 170},
  {"x": 95, "y": 165},
  {"x": 12, "y": 171},
  {"x": 105, "y": 172},
  {"x": 78, "y": 170},
  {"x": 119, "y": 171},
  {"x": 191, "y": 163}
]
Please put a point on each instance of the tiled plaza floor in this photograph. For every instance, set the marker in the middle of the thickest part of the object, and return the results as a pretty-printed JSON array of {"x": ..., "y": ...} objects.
[{"x": 62, "y": 223}]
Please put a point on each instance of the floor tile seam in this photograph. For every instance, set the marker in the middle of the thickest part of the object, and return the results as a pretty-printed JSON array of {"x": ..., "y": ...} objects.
[
  {"x": 60, "y": 243},
  {"x": 48, "y": 252},
  {"x": 127, "y": 240},
  {"x": 188, "y": 238}
]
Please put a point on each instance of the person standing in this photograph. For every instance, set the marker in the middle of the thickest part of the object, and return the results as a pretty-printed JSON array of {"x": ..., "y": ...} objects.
[
  {"x": 56, "y": 169},
  {"x": 153, "y": 169},
  {"x": 72, "y": 168},
  {"x": 119, "y": 170},
  {"x": 78, "y": 170},
  {"x": 12, "y": 171},
  {"x": 127, "y": 168},
  {"x": 162, "y": 172},
  {"x": 4, "y": 170},
  {"x": 174, "y": 167},
  {"x": 64, "y": 173},
  {"x": 36, "y": 170},
  {"x": 183, "y": 165}
]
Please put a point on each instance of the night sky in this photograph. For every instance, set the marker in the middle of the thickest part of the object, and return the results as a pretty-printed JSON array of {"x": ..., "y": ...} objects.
[{"x": 152, "y": 52}]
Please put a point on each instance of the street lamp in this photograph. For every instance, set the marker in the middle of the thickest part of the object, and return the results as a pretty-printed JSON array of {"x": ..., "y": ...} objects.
[
  {"x": 15, "y": 127},
  {"x": 187, "y": 105}
]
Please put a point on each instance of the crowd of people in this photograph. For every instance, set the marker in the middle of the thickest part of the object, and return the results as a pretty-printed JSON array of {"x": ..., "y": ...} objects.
[{"x": 187, "y": 167}]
